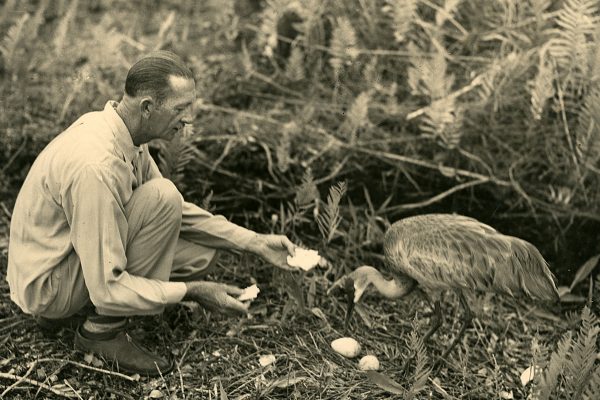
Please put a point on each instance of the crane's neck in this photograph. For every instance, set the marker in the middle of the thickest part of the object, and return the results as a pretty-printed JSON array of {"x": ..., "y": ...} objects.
[{"x": 393, "y": 288}]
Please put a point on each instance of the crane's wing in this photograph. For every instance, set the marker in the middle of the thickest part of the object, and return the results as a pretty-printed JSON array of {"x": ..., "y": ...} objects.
[{"x": 443, "y": 251}]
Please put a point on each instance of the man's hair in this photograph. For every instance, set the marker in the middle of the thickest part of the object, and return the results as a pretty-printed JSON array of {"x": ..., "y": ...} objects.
[{"x": 150, "y": 75}]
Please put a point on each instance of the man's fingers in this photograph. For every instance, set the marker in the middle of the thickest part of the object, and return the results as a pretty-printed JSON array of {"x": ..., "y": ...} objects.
[
  {"x": 230, "y": 289},
  {"x": 235, "y": 305},
  {"x": 291, "y": 247}
]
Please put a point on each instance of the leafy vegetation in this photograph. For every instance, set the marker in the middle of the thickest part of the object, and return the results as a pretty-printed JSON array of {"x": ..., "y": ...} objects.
[{"x": 324, "y": 120}]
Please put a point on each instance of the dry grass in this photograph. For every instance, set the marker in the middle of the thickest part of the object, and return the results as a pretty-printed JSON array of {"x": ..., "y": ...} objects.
[{"x": 214, "y": 352}]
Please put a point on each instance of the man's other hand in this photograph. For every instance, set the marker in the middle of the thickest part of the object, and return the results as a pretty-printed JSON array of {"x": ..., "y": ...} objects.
[
  {"x": 274, "y": 249},
  {"x": 216, "y": 297}
]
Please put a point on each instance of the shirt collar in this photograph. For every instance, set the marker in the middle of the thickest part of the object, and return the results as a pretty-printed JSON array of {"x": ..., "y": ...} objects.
[{"x": 120, "y": 131}]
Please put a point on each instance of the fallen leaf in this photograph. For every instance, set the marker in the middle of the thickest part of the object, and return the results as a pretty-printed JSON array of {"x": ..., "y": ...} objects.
[
  {"x": 506, "y": 395},
  {"x": 155, "y": 394},
  {"x": 528, "y": 375},
  {"x": 285, "y": 381},
  {"x": 384, "y": 382}
]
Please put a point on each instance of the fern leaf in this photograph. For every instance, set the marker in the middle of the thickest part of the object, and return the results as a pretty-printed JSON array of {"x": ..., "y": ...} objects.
[
  {"x": 403, "y": 13},
  {"x": 569, "y": 46},
  {"x": 549, "y": 379},
  {"x": 60, "y": 35},
  {"x": 588, "y": 129},
  {"x": 357, "y": 116},
  {"x": 295, "y": 65},
  {"x": 580, "y": 366},
  {"x": 422, "y": 370},
  {"x": 428, "y": 76},
  {"x": 307, "y": 192},
  {"x": 541, "y": 89},
  {"x": 343, "y": 45},
  {"x": 11, "y": 42},
  {"x": 444, "y": 121},
  {"x": 330, "y": 219},
  {"x": 593, "y": 388}
]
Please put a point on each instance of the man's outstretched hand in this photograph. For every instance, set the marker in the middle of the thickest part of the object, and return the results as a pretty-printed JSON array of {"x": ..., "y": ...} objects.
[
  {"x": 216, "y": 297},
  {"x": 273, "y": 249}
]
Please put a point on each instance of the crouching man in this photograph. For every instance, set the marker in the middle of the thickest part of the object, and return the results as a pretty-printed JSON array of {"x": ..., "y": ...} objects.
[{"x": 97, "y": 230}]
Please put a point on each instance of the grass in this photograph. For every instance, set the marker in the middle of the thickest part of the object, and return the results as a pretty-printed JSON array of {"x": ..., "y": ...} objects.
[{"x": 217, "y": 357}]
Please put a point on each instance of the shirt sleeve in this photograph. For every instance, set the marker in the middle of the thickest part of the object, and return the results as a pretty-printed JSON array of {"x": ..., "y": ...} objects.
[
  {"x": 200, "y": 226},
  {"x": 99, "y": 233}
]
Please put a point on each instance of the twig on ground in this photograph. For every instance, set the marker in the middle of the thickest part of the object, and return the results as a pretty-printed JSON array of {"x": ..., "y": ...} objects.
[
  {"x": 17, "y": 383},
  {"x": 35, "y": 383},
  {"x": 104, "y": 371}
]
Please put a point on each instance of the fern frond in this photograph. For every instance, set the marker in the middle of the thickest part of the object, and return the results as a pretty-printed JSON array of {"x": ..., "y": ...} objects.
[
  {"x": 428, "y": 75},
  {"x": 343, "y": 44},
  {"x": 357, "y": 116},
  {"x": 295, "y": 65},
  {"x": 549, "y": 379},
  {"x": 403, "y": 13},
  {"x": 37, "y": 20},
  {"x": 422, "y": 369},
  {"x": 60, "y": 35},
  {"x": 580, "y": 365},
  {"x": 329, "y": 220},
  {"x": 593, "y": 388},
  {"x": 587, "y": 133},
  {"x": 570, "y": 44},
  {"x": 272, "y": 13},
  {"x": 444, "y": 121},
  {"x": 175, "y": 155},
  {"x": 307, "y": 192},
  {"x": 541, "y": 89},
  {"x": 11, "y": 41}
]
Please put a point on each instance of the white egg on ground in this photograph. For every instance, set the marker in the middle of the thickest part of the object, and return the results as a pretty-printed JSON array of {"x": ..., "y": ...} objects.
[
  {"x": 346, "y": 347},
  {"x": 368, "y": 363}
]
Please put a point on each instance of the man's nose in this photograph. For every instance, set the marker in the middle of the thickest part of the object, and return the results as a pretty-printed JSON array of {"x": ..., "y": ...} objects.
[{"x": 188, "y": 115}]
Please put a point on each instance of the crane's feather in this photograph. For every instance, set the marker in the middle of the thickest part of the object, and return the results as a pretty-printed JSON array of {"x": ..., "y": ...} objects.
[{"x": 445, "y": 251}]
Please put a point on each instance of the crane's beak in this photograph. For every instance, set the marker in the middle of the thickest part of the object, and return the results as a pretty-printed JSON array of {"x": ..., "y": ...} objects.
[
  {"x": 346, "y": 283},
  {"x": 350, "y": 302}
]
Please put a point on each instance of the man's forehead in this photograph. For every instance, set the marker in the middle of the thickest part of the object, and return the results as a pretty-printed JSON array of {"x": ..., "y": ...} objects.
[{"x": 183, "y": 89}]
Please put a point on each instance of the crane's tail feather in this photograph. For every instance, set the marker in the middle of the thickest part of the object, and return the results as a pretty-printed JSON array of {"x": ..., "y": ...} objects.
[{"x": 528, "y": 274}]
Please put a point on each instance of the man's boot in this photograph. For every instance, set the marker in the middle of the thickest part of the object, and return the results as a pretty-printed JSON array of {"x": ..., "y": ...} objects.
[{"x": 118, "y": 348}]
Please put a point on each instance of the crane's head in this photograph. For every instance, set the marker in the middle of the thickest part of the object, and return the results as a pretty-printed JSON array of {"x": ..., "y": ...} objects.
[{"x": 355, "y": 284}]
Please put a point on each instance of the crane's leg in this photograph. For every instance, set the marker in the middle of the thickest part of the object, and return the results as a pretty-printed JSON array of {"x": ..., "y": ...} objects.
[
  {"x": 435, "y": 321},
  {"x": 466, "y": 319}
]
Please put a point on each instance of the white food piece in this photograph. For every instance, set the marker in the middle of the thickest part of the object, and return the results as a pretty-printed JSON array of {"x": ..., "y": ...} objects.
[
  {"x": 346, "y": 346},
  {"x": 304, "y": 259},
  {"x": 368, "y": 363},
  {"x": 250, "y": 293},
  {"x": 267, "y": 360}
]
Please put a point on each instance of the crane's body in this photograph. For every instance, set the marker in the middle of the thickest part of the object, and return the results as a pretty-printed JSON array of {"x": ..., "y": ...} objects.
[
  {"x": 446, "y": 251},
  {"x": 438, "y": 252}
]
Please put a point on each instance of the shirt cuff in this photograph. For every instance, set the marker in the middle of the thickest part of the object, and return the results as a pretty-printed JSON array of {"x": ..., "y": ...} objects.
[{"x": 175, "y": 291}]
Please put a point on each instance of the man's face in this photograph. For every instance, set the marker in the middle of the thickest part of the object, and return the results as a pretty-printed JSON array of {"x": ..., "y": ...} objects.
[{"x": 176, "y": 110}]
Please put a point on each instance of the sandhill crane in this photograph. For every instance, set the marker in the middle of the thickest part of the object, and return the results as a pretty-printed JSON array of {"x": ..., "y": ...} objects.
[{"x": 437, "y": 252}]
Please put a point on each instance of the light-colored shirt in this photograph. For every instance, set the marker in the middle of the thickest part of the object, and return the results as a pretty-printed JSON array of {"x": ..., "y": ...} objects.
[{"x": 74, "y": 198}]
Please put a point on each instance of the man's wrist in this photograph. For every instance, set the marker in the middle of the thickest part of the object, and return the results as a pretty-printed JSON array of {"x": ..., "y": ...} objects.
[{"x": 253, "y": 244}]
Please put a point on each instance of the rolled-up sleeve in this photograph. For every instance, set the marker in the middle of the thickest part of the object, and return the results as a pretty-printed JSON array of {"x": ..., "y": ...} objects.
[{"x": 99, "y": 227}]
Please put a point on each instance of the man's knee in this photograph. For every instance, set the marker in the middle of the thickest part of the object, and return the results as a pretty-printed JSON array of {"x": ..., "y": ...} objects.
[{"x": 167, "y": 193}]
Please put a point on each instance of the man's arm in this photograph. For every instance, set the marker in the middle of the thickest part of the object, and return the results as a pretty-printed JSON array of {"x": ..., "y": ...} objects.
[{"x": 99, "y": 233}]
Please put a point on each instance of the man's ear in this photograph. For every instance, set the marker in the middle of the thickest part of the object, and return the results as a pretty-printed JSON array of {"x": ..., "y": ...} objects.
[{"x": 147, "y": 105}]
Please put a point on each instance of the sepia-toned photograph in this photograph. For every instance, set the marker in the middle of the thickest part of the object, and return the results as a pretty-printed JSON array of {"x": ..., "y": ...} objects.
[{"x": 300, "y": 199}]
